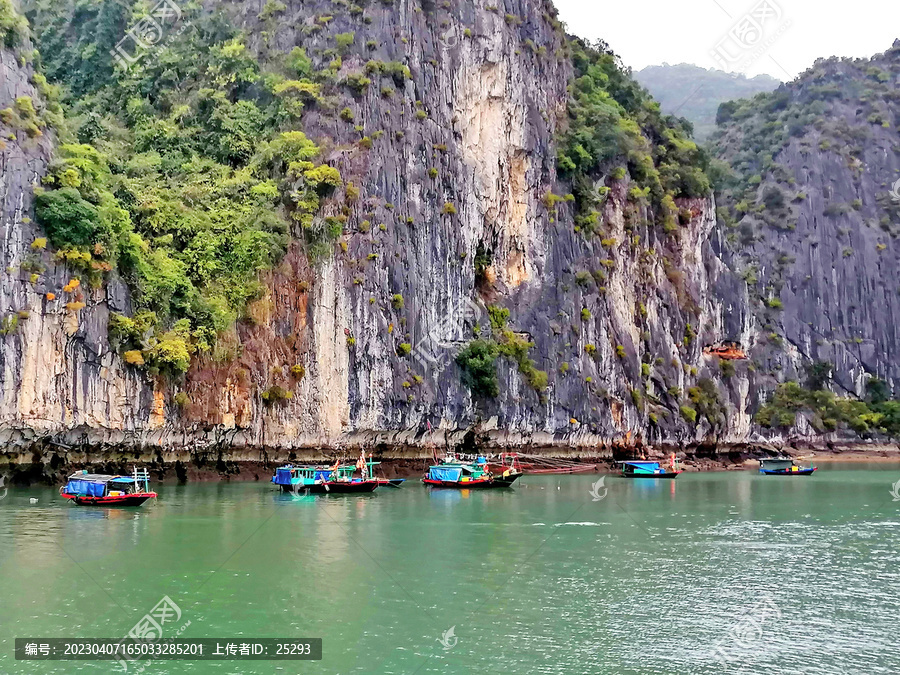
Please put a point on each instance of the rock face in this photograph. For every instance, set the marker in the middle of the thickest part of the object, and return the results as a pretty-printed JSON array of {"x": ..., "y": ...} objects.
[
  {"x": 817, "y": 233},
  {"x": 59, "y": 375},
  {"x": 493, "y": 105},
  {"x": 459, "y": 174}
]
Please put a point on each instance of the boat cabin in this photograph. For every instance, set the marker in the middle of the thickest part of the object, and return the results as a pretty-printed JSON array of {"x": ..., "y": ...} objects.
[
  {"x": 101, "y": 485},
  {"x": 310, "y": 475},
  {"x": 457, "y": 473},
  {"x": 641, "y": 468},
  {"x": 301, "y": 475},
  {"x": 784, "y": 466},
  {"x": 776, "y": 464}
]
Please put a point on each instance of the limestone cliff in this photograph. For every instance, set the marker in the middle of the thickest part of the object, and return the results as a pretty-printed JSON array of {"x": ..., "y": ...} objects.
[
  {"x": 808, "y": 219},
  {"x": 447, "y": 173},
  {"x": 58, "y": 371}
]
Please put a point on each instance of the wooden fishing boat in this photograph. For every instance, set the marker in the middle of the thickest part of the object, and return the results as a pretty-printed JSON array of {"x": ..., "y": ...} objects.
[
  {"x": 784, "y": 466},
  {"x": 643, "y": 469},
  {"x": 322, "y": 480},
  {"x": 480, "y": 474},
  {"x": 93, "y": 489},
  {"x": 338, "y": 479}
]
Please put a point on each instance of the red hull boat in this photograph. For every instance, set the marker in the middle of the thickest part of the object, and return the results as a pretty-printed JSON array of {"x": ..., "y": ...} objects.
[
  {"x": 338, "y": 479},
  {"x": 135, "y": 499},
  {"x": 477, "y": 483},
  {"x": 91, "y": 489},
  {"x": 460, "y": 475}
]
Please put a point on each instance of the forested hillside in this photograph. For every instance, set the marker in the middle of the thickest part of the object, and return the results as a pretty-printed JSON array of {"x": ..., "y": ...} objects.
[{"x": 695, "y": 93}]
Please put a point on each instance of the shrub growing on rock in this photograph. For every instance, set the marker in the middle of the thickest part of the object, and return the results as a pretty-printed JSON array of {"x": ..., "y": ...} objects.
[{"x": 478, "y": 362}]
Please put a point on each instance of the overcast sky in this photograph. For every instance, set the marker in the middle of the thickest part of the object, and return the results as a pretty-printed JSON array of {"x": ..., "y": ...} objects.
[{"x": 651, "y": 32}]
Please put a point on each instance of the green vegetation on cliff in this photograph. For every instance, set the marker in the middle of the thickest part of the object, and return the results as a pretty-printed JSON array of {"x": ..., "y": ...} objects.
[
  {"x": 478, "y": 358},
  {"x": 832, "y": 108},
  {"x": 13, "y": 26},
  {"x": 614, "y": 123},
  {"x": 185, "y": 174},
  {"x": 828, "y": 412}
]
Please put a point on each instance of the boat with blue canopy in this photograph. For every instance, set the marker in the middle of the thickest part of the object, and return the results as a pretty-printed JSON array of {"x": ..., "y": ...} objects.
[
  {"x": 337, "y": 479},
  {"x": 647, "y": 469},
  {"x": 452, "y": 473},
  {"x": 784, "y": 466},
  {"x": 94, "y": 489}
]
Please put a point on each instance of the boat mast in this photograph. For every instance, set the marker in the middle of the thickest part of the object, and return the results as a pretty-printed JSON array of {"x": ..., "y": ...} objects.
[{"x": 142, "y": 477}]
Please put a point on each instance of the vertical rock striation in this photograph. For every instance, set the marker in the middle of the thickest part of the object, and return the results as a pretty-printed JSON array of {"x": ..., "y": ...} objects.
[
  {"x": 58, "y": 373},
  {"x": 452, "y": 217}
]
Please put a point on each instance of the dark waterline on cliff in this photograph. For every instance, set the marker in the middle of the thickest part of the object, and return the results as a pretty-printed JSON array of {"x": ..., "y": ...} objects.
[{"x": 558, "y": 575}]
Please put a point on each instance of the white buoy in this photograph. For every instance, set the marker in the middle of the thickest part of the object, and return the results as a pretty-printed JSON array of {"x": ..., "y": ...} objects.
[{"x": 33, "y": 500}]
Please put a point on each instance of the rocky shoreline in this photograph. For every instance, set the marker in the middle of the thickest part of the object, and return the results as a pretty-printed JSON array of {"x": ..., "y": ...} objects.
[{"x": 405, "y": 462}]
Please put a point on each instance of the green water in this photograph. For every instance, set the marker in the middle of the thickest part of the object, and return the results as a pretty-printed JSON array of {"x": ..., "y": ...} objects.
[{"x": 783, "y": 575}]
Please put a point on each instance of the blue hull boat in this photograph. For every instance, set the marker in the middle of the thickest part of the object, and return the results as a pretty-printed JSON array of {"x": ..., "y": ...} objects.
[{"x": 784, "y": 466}]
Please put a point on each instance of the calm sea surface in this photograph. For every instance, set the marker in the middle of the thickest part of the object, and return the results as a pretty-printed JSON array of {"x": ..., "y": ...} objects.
[{"x": 719, "y": 572}]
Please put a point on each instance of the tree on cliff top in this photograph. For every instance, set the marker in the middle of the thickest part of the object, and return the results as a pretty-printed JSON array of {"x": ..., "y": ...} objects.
[{"x": 613, "y": 121}]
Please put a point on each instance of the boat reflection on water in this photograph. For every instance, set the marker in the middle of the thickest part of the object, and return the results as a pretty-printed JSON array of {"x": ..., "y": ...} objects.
[
  {"x": 653, "y": 486},
  {"x": 101, "y": 513},
  {"x": 295, "y": 497},
  {"x": 447, "y": 496}
]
